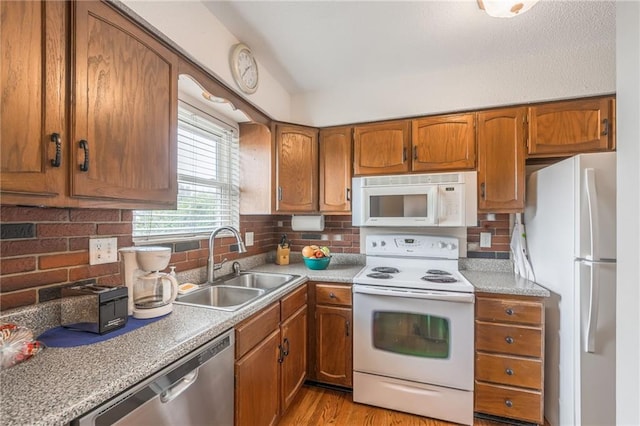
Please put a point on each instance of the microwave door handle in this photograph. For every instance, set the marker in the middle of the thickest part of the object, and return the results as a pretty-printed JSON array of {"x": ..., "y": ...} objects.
[{"x": 433, "y": 206}]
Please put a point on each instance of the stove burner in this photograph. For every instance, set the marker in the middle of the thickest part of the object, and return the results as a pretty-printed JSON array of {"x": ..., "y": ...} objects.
[
  {"x": 380, "y": 275},
  {"x": 437, "y": 272},
  {"x": 386, "y": 269},
  {"x": 439, "y": 279}
]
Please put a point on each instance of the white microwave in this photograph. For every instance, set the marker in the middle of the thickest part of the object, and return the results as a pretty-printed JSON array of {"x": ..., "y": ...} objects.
[{"x": 434, "y": 199}]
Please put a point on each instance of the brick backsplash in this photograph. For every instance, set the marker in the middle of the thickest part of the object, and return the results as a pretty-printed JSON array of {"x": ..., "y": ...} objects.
[
  {"x": 42, "y": 249},
  {"x": 500, "y": 237}
]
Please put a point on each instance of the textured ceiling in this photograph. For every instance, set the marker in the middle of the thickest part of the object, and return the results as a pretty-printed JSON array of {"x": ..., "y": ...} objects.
[{"x": 311, "y": 46}]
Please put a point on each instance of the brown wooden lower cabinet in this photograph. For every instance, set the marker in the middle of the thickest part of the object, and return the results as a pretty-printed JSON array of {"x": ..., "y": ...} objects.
[
  {"x": 509, "y": 362},
  {"x": 271, "y": 360},
  {"x": 331, "y": 334}
]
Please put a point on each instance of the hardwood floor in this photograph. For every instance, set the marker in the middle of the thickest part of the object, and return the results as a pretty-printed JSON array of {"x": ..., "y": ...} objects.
[{"x": 320, "y": 406}]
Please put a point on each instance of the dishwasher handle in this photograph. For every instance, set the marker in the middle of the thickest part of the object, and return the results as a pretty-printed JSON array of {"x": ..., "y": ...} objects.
[{"x": 180, "y": 386}]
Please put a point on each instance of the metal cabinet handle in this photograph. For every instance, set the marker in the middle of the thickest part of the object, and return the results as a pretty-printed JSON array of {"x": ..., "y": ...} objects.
[
  {"x": 415, "y": 152},
  {"x": 279, "y": 193},
  {"x": 509, "y": 372},
  {"x": 508, "y": 403},
  {"x": 280, "y": 355},
  {"x": 605, "y": 127},
  {"x": 285, "y": 344},
  {"x": 347, "y": 325},
  {"x": 85, "y": 164},
  {"x": 55, "y": 138},
  {"x": 482, "y": 193},
  {"x": 509, "y": 311},
  {"x": 332, "y": 295},
  {"x": 348, "y": 194},
  {"x": 509, "y": 339},
  {"x": 404, "y": 154}
]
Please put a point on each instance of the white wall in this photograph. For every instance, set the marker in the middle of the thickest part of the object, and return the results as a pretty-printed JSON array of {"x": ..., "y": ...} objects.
[
  {"x": 198, "y": 32},
  {"x": 628, "y": 234},
  {"x": 542, "y": 76}
]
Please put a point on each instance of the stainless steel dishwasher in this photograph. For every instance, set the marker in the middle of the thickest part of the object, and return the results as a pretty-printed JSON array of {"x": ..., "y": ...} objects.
[{"x": 195, "y": 390}]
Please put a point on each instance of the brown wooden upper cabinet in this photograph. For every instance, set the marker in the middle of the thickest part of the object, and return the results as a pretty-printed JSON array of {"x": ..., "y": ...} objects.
[
  {"x": 125, "y": 110},
  {"x": 335, "y": 170},
  {"x": 571, "y": 127},
  {"x": 296, "y": 168},
  {"x": 382, "y": 148},
  {"x": 121, "y": 150},
  {"x": 33, "y": 133},
  {"x": 501, "y": 162},
  {"x": 443, "y": 143}
]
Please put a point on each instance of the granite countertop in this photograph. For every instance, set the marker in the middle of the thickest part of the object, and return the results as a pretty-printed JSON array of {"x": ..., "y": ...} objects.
[
  {"x": 61, "y": 384},
  {"x": 504, "y": 283}
]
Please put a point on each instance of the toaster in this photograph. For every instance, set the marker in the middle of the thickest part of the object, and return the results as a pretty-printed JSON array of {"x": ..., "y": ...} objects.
[{"x": 94, "y": 308}]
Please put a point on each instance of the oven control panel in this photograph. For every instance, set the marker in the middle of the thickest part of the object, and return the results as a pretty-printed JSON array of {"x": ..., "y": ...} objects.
[{"x": 413, "y": 246}]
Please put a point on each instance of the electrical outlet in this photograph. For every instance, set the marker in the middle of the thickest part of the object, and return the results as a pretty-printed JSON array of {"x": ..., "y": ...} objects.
[
  {"x": 280, "y": 224},
  {"x": 485, "y": 239},
  {"x": 103, "y": 250},
  {"x": 248, "y": 239}
]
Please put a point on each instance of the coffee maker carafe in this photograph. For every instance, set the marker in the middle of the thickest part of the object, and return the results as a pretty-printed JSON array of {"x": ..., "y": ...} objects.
[{"x": 151, "y": 293}]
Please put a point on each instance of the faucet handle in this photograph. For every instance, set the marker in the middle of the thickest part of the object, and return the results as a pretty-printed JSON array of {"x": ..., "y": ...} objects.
[
  {"x": 236, "y": 268},
  {"x": 217, "y": 266}
]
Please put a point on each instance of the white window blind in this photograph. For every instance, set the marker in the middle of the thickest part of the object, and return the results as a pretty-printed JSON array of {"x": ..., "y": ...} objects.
[{"x": 208, "y": 181}]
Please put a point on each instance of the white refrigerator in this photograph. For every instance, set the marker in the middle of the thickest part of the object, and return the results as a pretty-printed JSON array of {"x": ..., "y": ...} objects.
[{"x": 570, "y": 220}]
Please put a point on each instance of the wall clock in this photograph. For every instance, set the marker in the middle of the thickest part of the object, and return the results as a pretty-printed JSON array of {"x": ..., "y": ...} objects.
[{"x": 244, "y": 68}]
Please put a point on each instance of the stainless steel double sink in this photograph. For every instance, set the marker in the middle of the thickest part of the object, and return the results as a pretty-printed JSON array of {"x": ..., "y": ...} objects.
[{"x": 235, "y": 291}]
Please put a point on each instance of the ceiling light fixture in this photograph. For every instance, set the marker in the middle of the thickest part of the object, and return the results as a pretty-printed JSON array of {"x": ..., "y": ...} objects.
[{"x": 506, "y": 8}]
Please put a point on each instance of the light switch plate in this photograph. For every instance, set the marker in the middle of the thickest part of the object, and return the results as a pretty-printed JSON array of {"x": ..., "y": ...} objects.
[
  {"x": 248, "y": 239},
  {"x": 103, "y": 250},
  {"x": 485, "y": 239}
]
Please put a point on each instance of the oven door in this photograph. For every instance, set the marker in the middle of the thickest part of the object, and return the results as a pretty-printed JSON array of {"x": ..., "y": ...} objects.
[{"x": 418, "y": 335}]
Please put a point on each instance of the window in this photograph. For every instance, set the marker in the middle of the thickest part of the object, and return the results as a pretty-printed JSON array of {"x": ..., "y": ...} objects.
[{"x": 208, "y": 182}]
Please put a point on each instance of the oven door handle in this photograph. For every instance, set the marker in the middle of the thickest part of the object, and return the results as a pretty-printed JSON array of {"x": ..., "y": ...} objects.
[{"x": 445, "y": 296}]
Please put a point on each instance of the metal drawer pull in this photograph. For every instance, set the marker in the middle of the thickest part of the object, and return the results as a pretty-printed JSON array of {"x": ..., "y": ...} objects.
[
  {"x": 509, "y": 311},
  {"x": 509, "y": 372},
  {"x": 285, "y": 344},
  {"x": 508, "y": 403},
  {"x": 509, "y": 339},
  {"x": 332, "y": 296},
  {"x": 347, "y": 324}
]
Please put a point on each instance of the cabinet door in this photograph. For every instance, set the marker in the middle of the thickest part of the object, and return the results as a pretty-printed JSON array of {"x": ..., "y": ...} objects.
[
  {"x": 443, "y": 143},
  {"x": 567, "y": 128},
  {"x": 334, "y": 354},
  {"x": 296, "y": 168},
  {"x": 381, "y": 148},
  {"x": 335, "y": 169},
  {"x": 33, "y": 134},
  {"x": 294, "y": 347},
  {"x": 125, "y": 132},
  {"x": 501, "y": 160},
  {"x": 257, "y": 383}
]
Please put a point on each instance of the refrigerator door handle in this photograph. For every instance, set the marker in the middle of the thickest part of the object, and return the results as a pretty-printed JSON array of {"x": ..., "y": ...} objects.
[
  {"x": 589, "y": 343},
  {"x": 594, "y": 220}
]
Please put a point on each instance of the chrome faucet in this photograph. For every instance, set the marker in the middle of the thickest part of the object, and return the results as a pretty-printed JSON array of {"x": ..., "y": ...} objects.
[{"x": 211, "y": 265}]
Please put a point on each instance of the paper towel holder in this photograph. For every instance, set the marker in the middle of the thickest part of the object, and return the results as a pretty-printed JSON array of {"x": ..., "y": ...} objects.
[{"x": 307, "y": 222}]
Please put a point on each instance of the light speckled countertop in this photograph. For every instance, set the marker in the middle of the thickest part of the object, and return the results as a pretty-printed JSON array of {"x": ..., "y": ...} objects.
[
  {"x": 504, "y": 283},
  {"x": 61, "y": 384}
]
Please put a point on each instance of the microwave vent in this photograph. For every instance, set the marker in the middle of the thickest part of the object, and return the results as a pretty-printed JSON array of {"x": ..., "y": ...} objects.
[{"x": 413, "y": 179}]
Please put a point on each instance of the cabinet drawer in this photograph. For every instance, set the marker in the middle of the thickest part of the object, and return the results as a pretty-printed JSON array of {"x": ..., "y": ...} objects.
[
  {"x": 509, "y": 339},
  {"x": 509, "y": 310},
  {"x": 509, "y": 402},
  {"x": 250, "y": 332},
  {"x": 292, "y": 302},
  {"x": 327, "y": 294},
  {"x": 509, "y": 370}
]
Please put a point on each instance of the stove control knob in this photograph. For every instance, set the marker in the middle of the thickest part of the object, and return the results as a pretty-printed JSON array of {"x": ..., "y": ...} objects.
[
  {"x": 451, "y": 246},
  {"x": 382, "y": 243},
  {"x": 374, "y": 244},
  {"x": 441, "y": 244}
]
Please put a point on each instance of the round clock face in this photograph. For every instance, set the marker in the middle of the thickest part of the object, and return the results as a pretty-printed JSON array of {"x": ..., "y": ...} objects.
[{"x": 244, "y": 68}]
